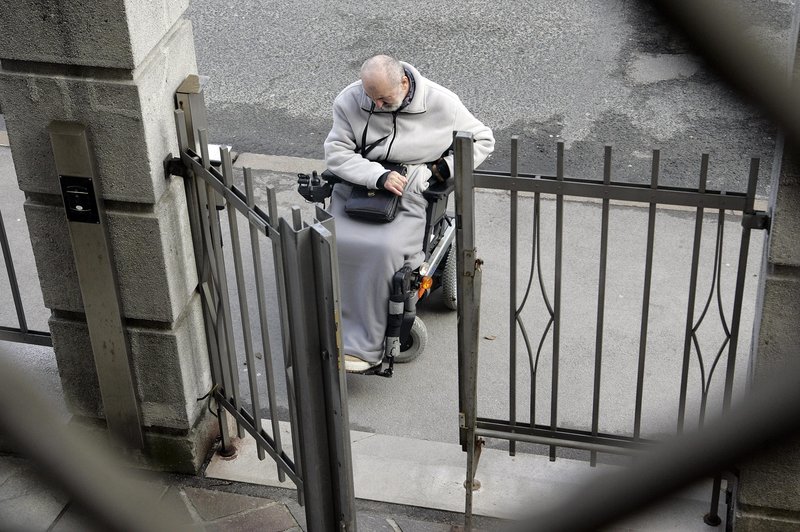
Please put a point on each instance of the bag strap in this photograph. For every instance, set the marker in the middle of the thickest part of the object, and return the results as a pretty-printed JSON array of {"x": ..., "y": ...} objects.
[{"x": 365, "y": 149}]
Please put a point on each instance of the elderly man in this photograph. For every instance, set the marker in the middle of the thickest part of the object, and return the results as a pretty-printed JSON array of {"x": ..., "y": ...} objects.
[{"x": 392, "y": 114}]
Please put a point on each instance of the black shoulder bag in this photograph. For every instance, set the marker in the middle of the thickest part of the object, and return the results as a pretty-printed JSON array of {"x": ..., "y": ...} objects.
[{"x": 374, "y": 205}]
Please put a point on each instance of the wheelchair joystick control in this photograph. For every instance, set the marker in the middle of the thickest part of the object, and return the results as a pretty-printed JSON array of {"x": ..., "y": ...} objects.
[{"x": 312, "y": 187}]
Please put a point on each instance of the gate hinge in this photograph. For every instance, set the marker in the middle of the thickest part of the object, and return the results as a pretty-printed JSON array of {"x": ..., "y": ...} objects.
[
  {"x": 471, "y": 263},
  {"x": 756, "y": 220},
  {"x": 174, "y": 166}
]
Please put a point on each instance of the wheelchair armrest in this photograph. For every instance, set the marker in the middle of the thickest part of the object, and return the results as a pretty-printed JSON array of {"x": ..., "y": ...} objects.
[
  {"x": 439, "y": 190},
  {"x": 330, "y": 177}
]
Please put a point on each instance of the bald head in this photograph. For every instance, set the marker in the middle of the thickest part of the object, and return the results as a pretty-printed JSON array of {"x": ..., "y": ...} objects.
[
  {"x": 385, "y": 82},
  {"x": 383, "y": 68}
]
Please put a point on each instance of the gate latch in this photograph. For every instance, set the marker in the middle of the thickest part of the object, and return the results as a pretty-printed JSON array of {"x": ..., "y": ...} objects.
[
  {"x": 174, "y": 166},
  {"x": 756, "y": 220}
]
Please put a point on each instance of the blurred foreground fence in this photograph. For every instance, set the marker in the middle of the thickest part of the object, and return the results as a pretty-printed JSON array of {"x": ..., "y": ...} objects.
[{"x": 770, "y": 413}]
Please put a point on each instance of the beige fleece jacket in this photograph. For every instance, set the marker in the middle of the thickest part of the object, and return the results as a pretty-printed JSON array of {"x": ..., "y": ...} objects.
[{"x": 423, "y": 131}]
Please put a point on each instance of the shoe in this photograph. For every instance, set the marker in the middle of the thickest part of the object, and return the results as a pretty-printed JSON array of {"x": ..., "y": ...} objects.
[{"x": 353, "y": 364}]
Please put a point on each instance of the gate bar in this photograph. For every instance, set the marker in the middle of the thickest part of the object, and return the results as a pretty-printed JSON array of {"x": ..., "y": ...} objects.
[
  {"x": 625, "y": 192},
  {"x": 687, "y": 342},
  {"x": 241, "y": 292},
  {"x": 740, "y": 279},
  {"x": 255, "y": 248},
  {"x": 23, "y": 334},
  {"x": 12, "y": 277},
  {"x": 601, "y": 303},
  {"x": 228, "y": 351},
  {"x": 512, "y": 303},
  {"x": 648, "y": 276},
  {"x": 595, "y": 448},
  {"x": 557, "y": 295}
]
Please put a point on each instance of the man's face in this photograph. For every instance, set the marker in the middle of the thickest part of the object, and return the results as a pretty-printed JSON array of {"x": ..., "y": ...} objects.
[{"x": 387, "y": 97}]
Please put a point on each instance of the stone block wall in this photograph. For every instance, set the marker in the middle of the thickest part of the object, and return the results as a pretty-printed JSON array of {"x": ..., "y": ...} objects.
[
  {"x": 114, "y": 67},
  {"x": 768, "y": 497}
]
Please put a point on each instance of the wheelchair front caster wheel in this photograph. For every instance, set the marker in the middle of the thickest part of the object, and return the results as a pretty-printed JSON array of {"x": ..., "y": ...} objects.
[{"x": 414, "y": 344}]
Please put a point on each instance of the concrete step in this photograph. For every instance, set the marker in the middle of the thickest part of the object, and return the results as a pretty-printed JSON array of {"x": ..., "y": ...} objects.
[{"x": 430, "y": 474}]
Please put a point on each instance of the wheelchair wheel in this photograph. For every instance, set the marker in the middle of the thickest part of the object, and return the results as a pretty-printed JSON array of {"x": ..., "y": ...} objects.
[
  {"x": 449, "y": 289},
  {"x": 415, "y": 344}
]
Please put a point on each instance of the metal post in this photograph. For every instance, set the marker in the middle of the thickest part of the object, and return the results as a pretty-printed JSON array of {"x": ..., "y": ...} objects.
[
  {"x": 97, "y": 276},
  {"x": 203, "y": 264},
  {"x": 189, "y": 99},
  {"x": 307, "y": 376},
  {"x": 334, "y": 377},
  {"x": 286, "y": 333},
  {"x": 469, "y": 285}
]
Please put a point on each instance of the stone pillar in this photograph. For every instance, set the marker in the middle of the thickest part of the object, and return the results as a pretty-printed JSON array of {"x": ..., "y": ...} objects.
[
  {"x": 114, "y": 66},
  {"x": 769, "y": 488}
]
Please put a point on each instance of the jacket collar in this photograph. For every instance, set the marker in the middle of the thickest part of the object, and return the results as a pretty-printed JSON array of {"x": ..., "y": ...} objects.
[{"x": 417, "y": 103}]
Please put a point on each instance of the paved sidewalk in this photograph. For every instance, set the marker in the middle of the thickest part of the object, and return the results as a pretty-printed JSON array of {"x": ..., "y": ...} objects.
[{"x": 29, "y": 503}]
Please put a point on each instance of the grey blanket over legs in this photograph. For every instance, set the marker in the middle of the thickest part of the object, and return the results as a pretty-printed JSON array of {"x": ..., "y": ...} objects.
[{"x": 369, "y": 255}]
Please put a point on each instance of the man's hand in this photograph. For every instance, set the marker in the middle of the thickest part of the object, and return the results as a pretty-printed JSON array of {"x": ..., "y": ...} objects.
[{"x": 395, "y": 183}]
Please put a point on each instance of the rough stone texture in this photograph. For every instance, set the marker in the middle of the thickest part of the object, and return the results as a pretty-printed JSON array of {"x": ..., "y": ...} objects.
[
  {"x": 211, "y": 505},
  {"x": 747, "y": 521},
  {"x": 170, "y": 369},
  {"x": 152, "y": 252},
  {"x": 182, "y": 453},
  {"x": 783, "y": 248},
  {"x": 772, "y": 482},
  {"x": 179, "y": 451},
  {"x": 772, "y": 479},
  {"x": 117, "y": 33},
  {"x": 131, "y": 128},
  {"x": 778, "y": 336},
  {"x": 275, "y": 518}
]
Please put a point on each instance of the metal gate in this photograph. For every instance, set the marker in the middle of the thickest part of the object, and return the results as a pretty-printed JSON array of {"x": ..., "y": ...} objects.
[
  {"x": 303, "y": 272},
  {"x": 551, "y": 432},
  {"x": 22, "y": 333}
]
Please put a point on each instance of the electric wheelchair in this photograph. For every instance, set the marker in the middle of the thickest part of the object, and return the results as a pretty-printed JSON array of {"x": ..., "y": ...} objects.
[{"x": 406, "y": 334}]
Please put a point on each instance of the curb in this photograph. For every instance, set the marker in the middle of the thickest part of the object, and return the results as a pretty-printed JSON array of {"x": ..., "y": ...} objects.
[{"x": 278, "y": 163}]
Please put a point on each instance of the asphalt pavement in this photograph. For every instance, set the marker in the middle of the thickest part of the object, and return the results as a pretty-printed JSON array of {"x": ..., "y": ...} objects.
[{"x": 590, "y": 73}]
